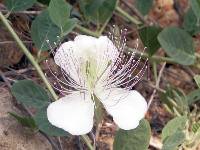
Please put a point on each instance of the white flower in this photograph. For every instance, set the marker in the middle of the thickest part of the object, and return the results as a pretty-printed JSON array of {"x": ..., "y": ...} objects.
[{"x": 95, "y": 66}]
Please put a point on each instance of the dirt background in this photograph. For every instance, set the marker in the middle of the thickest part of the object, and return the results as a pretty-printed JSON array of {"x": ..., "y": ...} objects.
[{"x": 14, "y": 136}]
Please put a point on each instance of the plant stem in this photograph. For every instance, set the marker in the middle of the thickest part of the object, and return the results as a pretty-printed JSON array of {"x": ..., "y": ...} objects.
[
  {"x": 28, "y": 55},
  {"x": 153, "y": 58},
  {"x": 103, "y": 26},
  {"x": 154, "y": 65},
  {"x": 157, "y": 58},
  {"x": 36, "y": 65},
  {"x": 87, "y": 142},
  {"x": 126, "y": 15},
  {"x": 157, "y": 84},
  {"x": 87, "y": 31}
]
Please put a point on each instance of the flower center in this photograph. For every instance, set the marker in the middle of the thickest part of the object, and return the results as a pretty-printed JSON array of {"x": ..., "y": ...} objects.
[{"x": 93, "y": 71}]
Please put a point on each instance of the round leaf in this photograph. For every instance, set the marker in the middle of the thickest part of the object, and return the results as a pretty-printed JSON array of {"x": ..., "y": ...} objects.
[
  {"x": 195, "y": 4},
  {"x": 19, "y": 5},
  {"x": 173, "y": 125},
  {"x": 59, "y": 12},
  {"x": 190, "y": 23},
  {"x": 30, "y": 94},
  {"x": 178, "y": 44},
  {"x": 97, "y": 11},
  {"x": 172, "y": 142},
  {"x": 144, "y": 6},
  {"x": 44, "y": 29},
  {"x": 136, "y": 139},
  {"x": 69, "y": 25},
  {"x": 148, "y": 36}
]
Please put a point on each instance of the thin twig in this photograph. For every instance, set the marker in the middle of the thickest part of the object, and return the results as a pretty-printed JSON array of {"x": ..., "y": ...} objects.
[
  {"x": 157, "y": 84},
  {"x": 11, "y": 42},
  {"x": 153, "y": 86},
  {"x": 17, "y": 72},
  {"x": 188, "y": 70},
  {"x": 60, "y": 143},
  {"x": 5, "y": 79},
  {"x": 23, "y": 12},
  {"x": 176, "y": 76}
]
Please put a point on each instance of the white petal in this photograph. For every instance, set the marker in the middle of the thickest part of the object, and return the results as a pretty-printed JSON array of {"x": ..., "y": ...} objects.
[
  {"x": 73, "y": 56},
  {"x": 106, "y": 52},
  {"x": 65, "y": 58},
  {"x": 106, "y": 46},
  {"x": 85, "y": 44},
  {"x": 126, "y": 107},
  {"x": 72, "y": 113},
  {"x": 62, "y": 53},
  {"x": 95, "y": 47}
]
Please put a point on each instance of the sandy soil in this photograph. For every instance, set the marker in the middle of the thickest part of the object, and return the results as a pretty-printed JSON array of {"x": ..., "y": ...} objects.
[{"x": 12, "y": 135}]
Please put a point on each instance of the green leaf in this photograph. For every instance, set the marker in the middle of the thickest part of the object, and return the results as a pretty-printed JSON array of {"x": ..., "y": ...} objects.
[
  {"x": 191, "y": 23},
  {"x": 98, "y": 11},
  {"x": 136, "y": 139},
  {"x": 197, "y": 80},
  {"x": 43, "y": 29},
  {"x": 193, "y": 96},
  {"x": 195, "y": 4},
  {"x": 19, "y": 5},
  {"x": 59, "y": 12},
  {"x": 173, "y": 125},
  {"x": 25, "y": 121},
  {"x": 148, "y": 36},
  {"x": 175, "y": 99},
  {"x": 172, "y": 142},
  {"x": 144, "y": 6},
  {"x": 30, "y": 94},
  {"x": 69, "y": 26},
  {"x": 178, "y": 44},
  {"x": 44, "y": 125}
]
